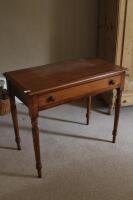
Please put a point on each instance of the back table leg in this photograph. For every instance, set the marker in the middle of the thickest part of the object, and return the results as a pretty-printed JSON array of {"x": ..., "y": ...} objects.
[
  {"x": 14, "y": 115},
  {"x": 117, "y": 113}
]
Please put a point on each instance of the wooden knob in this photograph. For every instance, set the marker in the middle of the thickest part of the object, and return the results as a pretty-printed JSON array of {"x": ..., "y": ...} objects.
[
  {"x": 111, "y": 82},
  {"x": 51, "y": 99}
]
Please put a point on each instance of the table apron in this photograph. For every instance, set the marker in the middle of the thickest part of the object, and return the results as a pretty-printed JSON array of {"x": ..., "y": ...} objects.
[{"x": 63, "y": 96}]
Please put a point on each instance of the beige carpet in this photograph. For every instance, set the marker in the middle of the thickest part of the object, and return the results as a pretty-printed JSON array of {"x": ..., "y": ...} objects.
[{"x": 79, "y": 161}]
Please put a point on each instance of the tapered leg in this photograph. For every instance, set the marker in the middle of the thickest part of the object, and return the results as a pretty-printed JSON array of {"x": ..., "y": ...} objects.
[
  {"x": 15, "y": 122},
  {"x": 117, "y": 113},
  {"x": 35, "y": 134},
  {"x": 14, "y": 116},
  {"x": 88, "y": 109}
]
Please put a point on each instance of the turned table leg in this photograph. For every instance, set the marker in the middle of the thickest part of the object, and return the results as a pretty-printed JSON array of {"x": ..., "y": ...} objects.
[
  {"x": 117, "y": 113},
  {"x": 88, "y": 109},
  {"x": 36, "y": 142},
  {"x": 14, "y": 115}
]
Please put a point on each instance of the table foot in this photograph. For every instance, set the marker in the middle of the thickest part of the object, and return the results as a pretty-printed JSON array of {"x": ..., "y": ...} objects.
[
  {"x": 114, "y": 136},
  {"x": 88, "y": 110},
  {"x": 87, "y": 119},
  {"x": 18, "y": 143},
  {"x": 39, "y": 172}
]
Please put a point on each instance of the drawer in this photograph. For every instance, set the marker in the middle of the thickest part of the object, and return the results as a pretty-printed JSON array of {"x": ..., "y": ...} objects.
[{"x": 68, "y": 94}]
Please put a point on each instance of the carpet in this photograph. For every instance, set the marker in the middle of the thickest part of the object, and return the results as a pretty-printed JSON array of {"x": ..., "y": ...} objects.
[{"x": 79, "y": 161}]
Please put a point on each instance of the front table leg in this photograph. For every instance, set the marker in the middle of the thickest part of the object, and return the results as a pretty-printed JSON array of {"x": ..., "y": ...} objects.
[
  {"x": 36, "y": 142},
  {"x": 117, "y": 113}
]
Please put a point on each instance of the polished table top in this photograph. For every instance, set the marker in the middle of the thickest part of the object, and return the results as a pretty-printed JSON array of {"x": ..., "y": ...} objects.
[{"x": 51, "y": 77}]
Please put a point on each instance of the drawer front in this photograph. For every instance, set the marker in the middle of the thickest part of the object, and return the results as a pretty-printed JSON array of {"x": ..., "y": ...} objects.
[{"x": 62, "y": 96}]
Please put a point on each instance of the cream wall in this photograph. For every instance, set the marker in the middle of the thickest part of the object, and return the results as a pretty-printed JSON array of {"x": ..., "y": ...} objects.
[{"x": 36, "y": 32}]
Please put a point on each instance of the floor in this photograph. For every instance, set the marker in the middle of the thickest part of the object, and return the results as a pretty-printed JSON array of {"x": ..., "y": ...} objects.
[{"x": 79, "y": 161}]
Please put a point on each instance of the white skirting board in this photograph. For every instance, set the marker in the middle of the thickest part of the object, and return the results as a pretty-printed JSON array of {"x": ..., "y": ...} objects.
[{"x": 2, "y": 78}]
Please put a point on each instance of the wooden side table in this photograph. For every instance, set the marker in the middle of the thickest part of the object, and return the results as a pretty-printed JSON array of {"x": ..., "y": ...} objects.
[{"x": 43, "y": 87}]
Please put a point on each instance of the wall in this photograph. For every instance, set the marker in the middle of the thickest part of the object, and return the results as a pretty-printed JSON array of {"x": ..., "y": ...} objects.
[
  {"x": 36, "y": 32},
  {"x": 128, "y": 44}
]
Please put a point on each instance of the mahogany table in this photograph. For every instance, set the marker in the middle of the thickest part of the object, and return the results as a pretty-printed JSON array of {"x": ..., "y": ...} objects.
[{"x": 47, "y": 86}]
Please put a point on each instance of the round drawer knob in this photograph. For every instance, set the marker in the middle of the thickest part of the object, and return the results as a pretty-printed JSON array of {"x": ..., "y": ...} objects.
[
  {"x": 51, "y": 99},
  {"x": 111, "y": 82}
]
